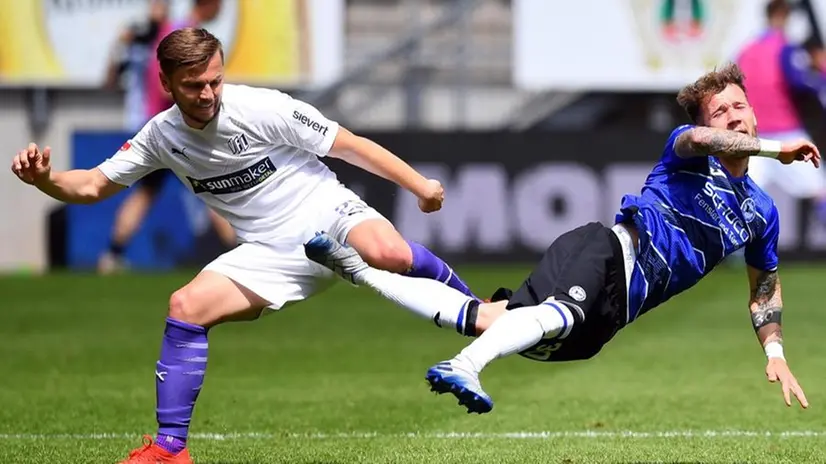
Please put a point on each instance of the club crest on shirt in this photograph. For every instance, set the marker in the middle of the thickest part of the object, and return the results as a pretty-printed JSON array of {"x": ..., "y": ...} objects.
[
  {"x": 578, "y": 293},
  {"x": 238, "y": 144},
  {"x": 749, "y": 209}
]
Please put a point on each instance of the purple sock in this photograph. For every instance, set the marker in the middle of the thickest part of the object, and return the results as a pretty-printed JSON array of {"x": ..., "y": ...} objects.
[
  {"x": 179, "y": 375},
  {"x": 430, "y": 266}
]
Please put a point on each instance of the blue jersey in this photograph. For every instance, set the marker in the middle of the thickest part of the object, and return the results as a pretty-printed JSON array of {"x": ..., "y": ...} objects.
[{"x": 691, "y": 214}]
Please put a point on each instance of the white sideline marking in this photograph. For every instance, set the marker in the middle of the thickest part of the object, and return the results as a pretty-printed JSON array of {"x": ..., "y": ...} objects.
[{"x": 439, "y": 435}]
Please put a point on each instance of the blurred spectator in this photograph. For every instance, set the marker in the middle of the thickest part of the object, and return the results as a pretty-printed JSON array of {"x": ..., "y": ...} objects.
[
  {"x": 778, "y": 71},
  {"x": 129, "y": 60},
  {"x": 135, "y": 66},
  {"x": 817, "y": 62}
]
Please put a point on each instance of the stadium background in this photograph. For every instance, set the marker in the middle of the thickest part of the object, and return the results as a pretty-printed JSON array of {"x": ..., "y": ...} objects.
[{"x": 536, "y": 115}]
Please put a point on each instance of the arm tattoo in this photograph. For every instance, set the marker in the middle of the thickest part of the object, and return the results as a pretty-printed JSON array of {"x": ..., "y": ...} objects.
[
  {"x": 766, "y": 307},
  {"x": 764, "y": 290},
  {"x": 703, "y": 141},
  {"x": 764, "y": 316}
]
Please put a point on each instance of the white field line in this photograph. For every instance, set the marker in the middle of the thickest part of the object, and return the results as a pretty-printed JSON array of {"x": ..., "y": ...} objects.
[{"x": 440, "y": 435}]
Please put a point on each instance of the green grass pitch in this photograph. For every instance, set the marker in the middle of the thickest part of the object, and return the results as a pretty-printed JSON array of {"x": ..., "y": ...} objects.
[{"x": 340, "y": 379}]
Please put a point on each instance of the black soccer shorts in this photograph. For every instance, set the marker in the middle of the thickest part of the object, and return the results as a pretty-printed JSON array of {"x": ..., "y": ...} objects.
[{"x": 583, "y": 268}]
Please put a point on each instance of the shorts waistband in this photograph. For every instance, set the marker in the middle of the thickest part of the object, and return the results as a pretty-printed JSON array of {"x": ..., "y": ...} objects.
[
  {"x": 625, "y": 255},
  {"x": 629, "y": 253}
]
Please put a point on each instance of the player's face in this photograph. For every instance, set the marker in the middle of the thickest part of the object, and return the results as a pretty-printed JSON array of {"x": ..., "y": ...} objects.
[
  {"x": 730, "y": 110},
  {"x": 197, "y": 91}
]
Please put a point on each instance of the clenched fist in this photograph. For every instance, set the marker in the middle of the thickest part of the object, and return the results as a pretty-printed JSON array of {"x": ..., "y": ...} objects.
[{"x": 433, "y": 196}]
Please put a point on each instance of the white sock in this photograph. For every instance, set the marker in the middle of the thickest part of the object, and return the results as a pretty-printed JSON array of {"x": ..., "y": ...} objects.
[
  {"x": 515, "y": 331},
  {"x": 428, "y": 298}
]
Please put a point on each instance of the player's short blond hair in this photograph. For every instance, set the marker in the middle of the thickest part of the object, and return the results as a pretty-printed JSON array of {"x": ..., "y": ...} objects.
[
  {"x": 693, "y": 96},
  {"x": 187, "y": 47}
]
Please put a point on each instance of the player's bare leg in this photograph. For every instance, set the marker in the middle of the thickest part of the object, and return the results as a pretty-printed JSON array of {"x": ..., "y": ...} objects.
[
  {"x": 505, "y": 332},
  {"x": 502, "y": 332},
  {"x": 432, "y": 300},
  {"x": 206, "y": 301},
  {"x": 488, "y": 314},
  {"x": 382, "y": 247},
  {"x": 128, "y": 219}
]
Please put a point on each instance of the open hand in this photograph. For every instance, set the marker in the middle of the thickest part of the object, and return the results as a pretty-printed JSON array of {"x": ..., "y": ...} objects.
[
  {"x": 778, "y": 370},
  {"x": 31, "y": 165},
  {"x": 799, "y": 150}
]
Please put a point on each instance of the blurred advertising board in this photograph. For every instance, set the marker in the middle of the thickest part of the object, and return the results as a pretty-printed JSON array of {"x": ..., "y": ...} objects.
[
  {"x": 638, "y": 45},
  {"x": 508, "y": 196},
  {"x": 67, "y": 43}
]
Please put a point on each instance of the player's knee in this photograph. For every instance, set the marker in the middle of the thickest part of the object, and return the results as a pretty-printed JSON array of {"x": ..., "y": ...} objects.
[
  {"x": 183, "y": 306},
  {"x": 390, "y": 255}
]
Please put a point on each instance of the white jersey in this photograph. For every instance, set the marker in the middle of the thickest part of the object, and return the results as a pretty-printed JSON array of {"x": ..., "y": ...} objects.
[{"x": 256, "y": 163}]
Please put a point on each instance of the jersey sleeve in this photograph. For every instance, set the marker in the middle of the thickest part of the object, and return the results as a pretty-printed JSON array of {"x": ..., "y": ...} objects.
[
  {"x": 671, "y": 160},
  {"x": 135, "y": 159},
  {"x": 298, "y": 124},
  {"x": 761, "y": 253}
]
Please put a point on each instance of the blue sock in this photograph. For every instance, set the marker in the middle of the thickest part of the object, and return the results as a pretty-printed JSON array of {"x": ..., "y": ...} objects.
[
  {"x": 430, "y": 266},
  {"x": 179, "y": 375}
]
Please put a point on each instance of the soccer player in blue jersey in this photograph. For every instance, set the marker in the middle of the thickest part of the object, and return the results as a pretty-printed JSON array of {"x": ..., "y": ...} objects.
[{"x": 697, "y": 206}]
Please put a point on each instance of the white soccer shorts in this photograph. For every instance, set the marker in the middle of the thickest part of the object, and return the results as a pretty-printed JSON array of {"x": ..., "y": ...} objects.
[
  {"x": 279, "y": 271},
  {"x": 800, "y": 180}
]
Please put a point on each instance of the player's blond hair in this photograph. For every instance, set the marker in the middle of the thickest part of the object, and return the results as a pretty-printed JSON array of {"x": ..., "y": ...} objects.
[
  {"x": 693, "y": 96},
  {"x": 187, "y": 47}
]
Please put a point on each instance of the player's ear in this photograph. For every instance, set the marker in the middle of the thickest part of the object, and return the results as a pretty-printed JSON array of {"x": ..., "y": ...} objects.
[
  {"x": 167, "y": 86},
  {"x": 754, "y": 116}
]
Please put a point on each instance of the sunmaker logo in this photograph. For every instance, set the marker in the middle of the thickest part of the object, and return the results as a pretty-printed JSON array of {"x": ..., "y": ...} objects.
[{"x": 237, "y": 181}]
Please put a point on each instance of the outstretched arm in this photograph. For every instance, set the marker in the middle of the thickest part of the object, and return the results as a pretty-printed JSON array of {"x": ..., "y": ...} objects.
[
  {"x": 303, "y": 126},
  {"x": 723, "y": 143},
  {"x": 372, "y": 157},
  {"x": 766, "y": 307},
  {"x": 704, "y": 141},
  {"x": 81, "y": 186}
]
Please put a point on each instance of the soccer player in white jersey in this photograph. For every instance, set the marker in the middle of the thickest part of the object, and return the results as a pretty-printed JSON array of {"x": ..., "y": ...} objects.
[{"x": 252, "y": 155}]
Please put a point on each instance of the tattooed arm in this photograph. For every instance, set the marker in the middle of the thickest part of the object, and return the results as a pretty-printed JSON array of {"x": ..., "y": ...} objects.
[
  {"x": 722, "y": 143},
  {"x": 766, "y": 306},
  {"x": 705, "y": 141}
]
